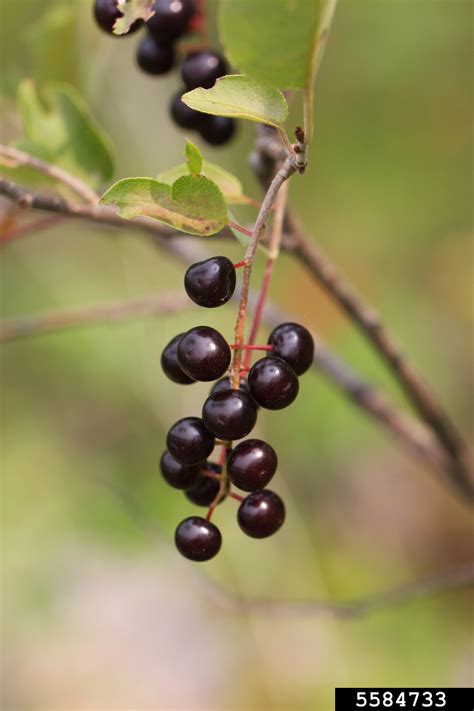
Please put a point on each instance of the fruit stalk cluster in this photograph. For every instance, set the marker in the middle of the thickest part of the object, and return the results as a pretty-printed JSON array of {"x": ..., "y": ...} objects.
[{"x": 228, "y": 415}]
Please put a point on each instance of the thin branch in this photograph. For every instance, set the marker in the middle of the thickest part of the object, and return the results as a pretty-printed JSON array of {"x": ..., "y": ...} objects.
[
  {"x": 54, "y": 321},
  {"x": 29, "y": 199},
  {"x": 454, "y": 579},
  {"x": 413, "y": 435},
  {"x": 14, "y": 157},
  {"x": 458, "y": 578},
  {"x": 368, "y": 321},
  {"x": 273, "y": 249},
  {"x": 458, "y": 469},
  {"x": 99, "y": 214},
  {"x": 285, "y": 172}
]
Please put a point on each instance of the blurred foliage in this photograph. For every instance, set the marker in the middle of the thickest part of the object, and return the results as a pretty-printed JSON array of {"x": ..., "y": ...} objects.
[{"x": 98, "y": 610}]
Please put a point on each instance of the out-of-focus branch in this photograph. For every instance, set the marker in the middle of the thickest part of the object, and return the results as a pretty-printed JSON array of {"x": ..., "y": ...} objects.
[
  {"x": 458, "y": 578},
  {"x": 455, "y": 579},
  {"x": 100, "y": 214},
  {"x": 58, "y": 321},
  {"x": 369, "y": 322},
  {"x": 14, "y": 158},
  {"x": 414, "y": 436},
  {"x": 29, "y": 199}
]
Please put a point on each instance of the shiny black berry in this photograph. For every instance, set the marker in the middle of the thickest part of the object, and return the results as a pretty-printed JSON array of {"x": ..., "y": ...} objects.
[
  {"x": 210, "y": 283},
  {"x": 273, "y": 383},
  {"x": 261, "y": 514},
  {"x": 170, "y": 365},
  {"x": 202, "y": 69},
  {"x": 230, "y": 414},
  {"x": 217, "y": 130},
  {"x": 183, "y": 115},
  {"x": 203, "y": 353},
  {"x": 154, "y": 57},
  {"x": 106, "y": 12},
  {"x": 176, "y": 474},
  {"x": 224, "y": 384},
  {"x": 294, "y": 344},
  {"x": 252, "y": 464},
  {"x": 189, "y": 441},
  {"x": 205, "y": 490},
  {"x": 171, "y": 19},
  {"x": 197, "y": 539}
]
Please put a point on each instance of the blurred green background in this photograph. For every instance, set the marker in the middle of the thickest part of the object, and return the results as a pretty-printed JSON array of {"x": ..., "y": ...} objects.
[{"x": 98, "y": 610}]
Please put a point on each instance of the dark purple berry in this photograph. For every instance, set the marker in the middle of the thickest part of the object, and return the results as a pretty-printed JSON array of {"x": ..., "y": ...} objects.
[
  {"x": 230, "y": 414},
  {"x": 203, "y": 492},
  {"x": 170, "y": 365},
  {"x": 273, "y": 383},
  {"x": 154, "y": 57},
  {"x": 252, "y": 464},
  {"x": 294, "y": 344},
  {"x": 261, "y": 514},
  {"x": 178, "y": 475},
  {"x": 171, "y": 19},
  {"x": 206, "y": 488},
  {"x": 210, "y": 283},
  {"x": 106, "y": 12},
  {"x": 183, "y": 115},
  {"x": 197, "y": 539},
  {"x": 189, "y": 441},
  {"x": 224, "y": 384},
  {"x": 202, "y": 69},
  {"x": 203, "y": 353},
  {"x": 217, "y": 130}
]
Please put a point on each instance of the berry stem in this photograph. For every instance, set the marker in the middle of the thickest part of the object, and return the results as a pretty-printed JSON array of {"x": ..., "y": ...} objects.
[
  {"x": 239, "y": 228},
  {"x": 251, "y": 347},
  {"x": 198, "y": 23},
  {"x": 275, "y": 241},
  {"x": 210, "y": 475},
  {"x": 210, "y": 511},
  {"x": 243, "y": 263},
  {"x": 223, "y": 457},
  {"x": 235, "y": 496},
  {"x": 285, "y": 172},
  {"x": 224, "y": 480}
]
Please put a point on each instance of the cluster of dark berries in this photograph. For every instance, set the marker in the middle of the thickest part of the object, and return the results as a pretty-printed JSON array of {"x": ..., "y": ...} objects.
[
  {"x": 203, "y": 354},
  {"x": 156, "y": 54}
]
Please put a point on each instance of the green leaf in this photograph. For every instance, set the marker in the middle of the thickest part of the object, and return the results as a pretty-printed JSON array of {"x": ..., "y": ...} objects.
[
  {"x": 240, "y": 96},
  {"x": 229, "y": 185},
  {"x": 194, "y": 158},
  {"x": 132, "y": 10},
  {"x": 63, "y": 131},
  {"x": 193, "y": 204},
  {"x": 278, "y": 42}
]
